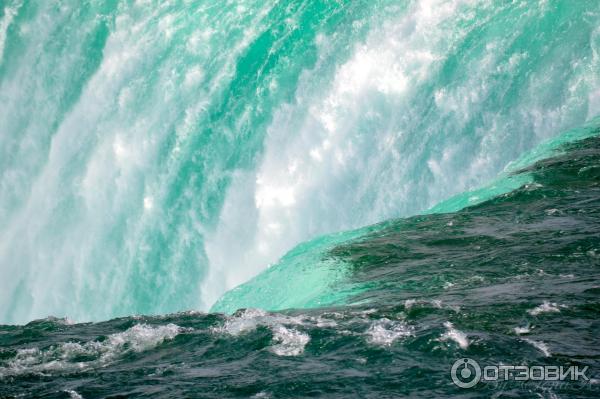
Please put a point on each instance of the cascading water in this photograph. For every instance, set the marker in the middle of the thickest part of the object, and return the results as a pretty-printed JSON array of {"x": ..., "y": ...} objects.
[
  {"x": 300, "y": 198},
  {"x": 155, "y": 154}
]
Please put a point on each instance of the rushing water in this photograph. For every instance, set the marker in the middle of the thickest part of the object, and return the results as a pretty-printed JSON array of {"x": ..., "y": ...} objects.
[
  {"x": 189, "y": 155},
  {"x": 512, "y": 280}
]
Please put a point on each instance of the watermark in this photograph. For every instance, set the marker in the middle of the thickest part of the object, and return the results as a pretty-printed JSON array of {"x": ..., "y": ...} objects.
[{"x": 467, "y": 373}]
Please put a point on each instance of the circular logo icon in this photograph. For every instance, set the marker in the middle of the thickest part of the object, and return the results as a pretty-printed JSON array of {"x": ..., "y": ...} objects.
[{"x": 466, "y": 373}]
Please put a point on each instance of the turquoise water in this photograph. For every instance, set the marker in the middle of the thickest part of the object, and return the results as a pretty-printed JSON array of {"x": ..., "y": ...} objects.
[
  {"x": 309, "y": 277},
  {"x": 384, "y": 186},
  {"x": 513, "y": 280},
  {"x": 154, "y": 155}
]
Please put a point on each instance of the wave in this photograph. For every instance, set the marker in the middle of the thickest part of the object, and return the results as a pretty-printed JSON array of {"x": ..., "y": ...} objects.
[
  {"x": 512, "y": 279},
  {"x": 155, "y": 155},
  {"x": 345, "y": 268}
]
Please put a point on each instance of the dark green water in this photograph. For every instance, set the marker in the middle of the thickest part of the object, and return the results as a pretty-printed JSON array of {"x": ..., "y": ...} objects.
[
  {"x": 512, "y": 280},
  {"x": 154, "y": 155}
]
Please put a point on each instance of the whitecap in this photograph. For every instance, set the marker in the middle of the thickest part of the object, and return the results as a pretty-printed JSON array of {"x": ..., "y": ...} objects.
[
  {"x": 74, "y": 394},
  {"x": 290, "y": 342},
  {"x": 242, "y": 322},
  {"x": 455, "y": 335},
  {"x": 385, "y": 331},
  {"x": 436, "y": 303},
  {"x": 409, "y": 303},
  {"x": 539, "y": 345},
  {"x": 546, "y": 307},
  {"x": 61, "y": 357},
  {"x": 522, "y": 330},
  {"x": 262, "y": 395},
  {"x": 249, "y": 319}
]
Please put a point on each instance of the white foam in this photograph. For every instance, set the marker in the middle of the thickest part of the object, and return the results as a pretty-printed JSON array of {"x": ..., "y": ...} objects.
[
  {"x": 247, "y": 321},
  {"x": 546, "y": 307},
  {"x": 522, "y": 330},
  {"x": 289, "y": 342},
  {"x": 286, "y": 341},
  {"x": 138, "y": 338},
  {"x": 193, "y": 77},
  {"x": 355, "y": 146},
  {"x": 74, "y": 394},
  {"x": 9, "y": 14},
  {"x": 142, "y": 337},
  {"x": 409, "y": 303},
  {"x": 455, "y": 335},
  {"x": 539, "y": 345},
  {"x": 385, "y": 332},
  {"x": 323, "y": 322}
]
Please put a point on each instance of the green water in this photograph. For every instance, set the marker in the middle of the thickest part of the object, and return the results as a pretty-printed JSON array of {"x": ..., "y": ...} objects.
[
  {"x": 154, "y": 155},
  {"x": 385, "y": 186},
  {"x": 310, "y": 277},
  {"x": 513, "y": 280}
]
